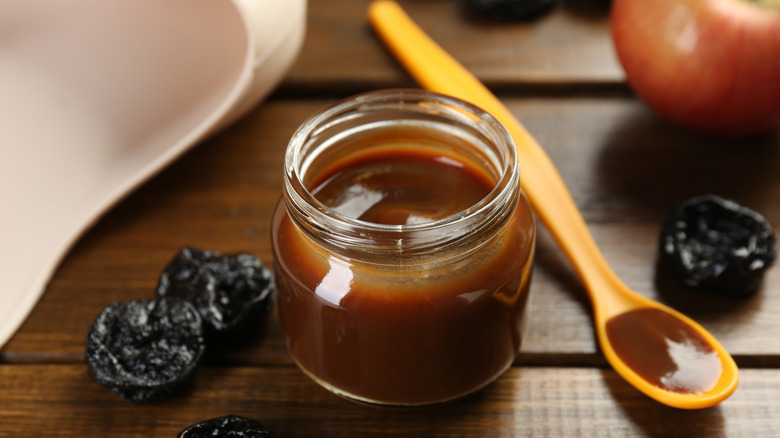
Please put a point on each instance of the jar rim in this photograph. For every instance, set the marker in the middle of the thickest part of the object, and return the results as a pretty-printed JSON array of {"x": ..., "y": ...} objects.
[{"x": 354, "y": 231}]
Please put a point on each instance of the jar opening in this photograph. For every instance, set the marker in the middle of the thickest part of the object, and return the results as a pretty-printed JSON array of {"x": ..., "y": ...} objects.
[{"x": 419, "y": 119}]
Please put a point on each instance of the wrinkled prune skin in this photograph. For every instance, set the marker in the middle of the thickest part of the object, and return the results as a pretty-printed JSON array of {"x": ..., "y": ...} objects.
[
  {"x": 508, "y": 10},
  {"x": 227, "y": 290},
  {"x": 146, "y": 349},
  {"x": 712, "y": 243},
  {"x": 231, "y": 426}
]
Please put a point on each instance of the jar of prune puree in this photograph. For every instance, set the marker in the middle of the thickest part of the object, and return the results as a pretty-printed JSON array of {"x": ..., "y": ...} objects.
[{"x": 402, "y": 248}]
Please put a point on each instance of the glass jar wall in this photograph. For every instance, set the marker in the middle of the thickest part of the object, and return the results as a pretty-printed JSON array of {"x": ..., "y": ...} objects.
[{"x": 402, "y": 248}]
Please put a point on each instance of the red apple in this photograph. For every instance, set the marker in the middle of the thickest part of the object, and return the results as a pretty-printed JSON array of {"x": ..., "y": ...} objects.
[{"x": 709, "y": 65}]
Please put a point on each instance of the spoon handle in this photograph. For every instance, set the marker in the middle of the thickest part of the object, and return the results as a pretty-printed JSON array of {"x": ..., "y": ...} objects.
[{"x": 435, "y": 70}]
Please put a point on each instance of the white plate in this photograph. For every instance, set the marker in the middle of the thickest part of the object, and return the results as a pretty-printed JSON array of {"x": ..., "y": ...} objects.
[{"x": 97, "y": 96}]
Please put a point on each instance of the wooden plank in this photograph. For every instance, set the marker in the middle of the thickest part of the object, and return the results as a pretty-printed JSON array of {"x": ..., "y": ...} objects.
[
  {"x": 62, "y": 401},
  {"x": 569, "y": 48},
  {"x": 623, "y": 163},
  {"x": 220, "y": 196}
]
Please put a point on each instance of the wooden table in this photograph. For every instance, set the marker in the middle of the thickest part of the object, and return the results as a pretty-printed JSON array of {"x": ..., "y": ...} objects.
[{"x": 625, "y": 166}]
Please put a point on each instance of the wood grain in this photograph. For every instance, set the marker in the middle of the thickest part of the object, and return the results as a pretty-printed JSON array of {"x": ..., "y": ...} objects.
[
  {"x": 62, "y": 401},
  {"x": 615, "y": 155},
  {"x": 565, "y": 50},
  {"x": 625, "y": 167}
]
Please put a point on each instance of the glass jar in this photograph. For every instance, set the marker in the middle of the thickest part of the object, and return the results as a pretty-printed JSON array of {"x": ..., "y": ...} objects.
[{"x": 410, "y": 311}]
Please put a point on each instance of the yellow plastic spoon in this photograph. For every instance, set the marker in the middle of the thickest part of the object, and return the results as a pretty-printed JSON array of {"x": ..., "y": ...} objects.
[{"x": 437, "y": 71}]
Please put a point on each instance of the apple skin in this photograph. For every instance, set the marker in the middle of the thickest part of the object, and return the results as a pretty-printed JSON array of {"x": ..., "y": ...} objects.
[{"x": 711, "y": 66}]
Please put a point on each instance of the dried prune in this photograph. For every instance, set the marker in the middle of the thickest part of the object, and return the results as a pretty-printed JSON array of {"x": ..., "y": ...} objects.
[
  {"x": 231, "y": 426},
  {"x": 512, "y": 9},
  {"x": 717, "y": 244},
  {"x": 145, "y": 349},
  {"x": 227, "y": 290}
]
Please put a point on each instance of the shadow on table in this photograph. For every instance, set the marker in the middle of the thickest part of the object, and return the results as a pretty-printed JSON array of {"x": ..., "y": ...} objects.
[
  {"x": 587, "y": 9},
  {"x": 658, "y": 420},
  {"x": 479, "y": 414},
  {"x": 646, "y": 166},
  {"x": 699, "y": 304},
  {"x": 649, "y": 165},
  {"x": 550, "y": 258}
]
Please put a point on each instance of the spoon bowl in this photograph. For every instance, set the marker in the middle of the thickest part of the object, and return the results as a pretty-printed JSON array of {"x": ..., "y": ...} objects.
[
  {"x": 615, "y": 306},
  {"x": 711, "y": 368}
]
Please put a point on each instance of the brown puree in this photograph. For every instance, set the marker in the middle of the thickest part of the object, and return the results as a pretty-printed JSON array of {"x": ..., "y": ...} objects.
[
  {"x": 401, "y": 187},
  {"x": 665, "y": 351},
  {"x": 425, "y": 331}
]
